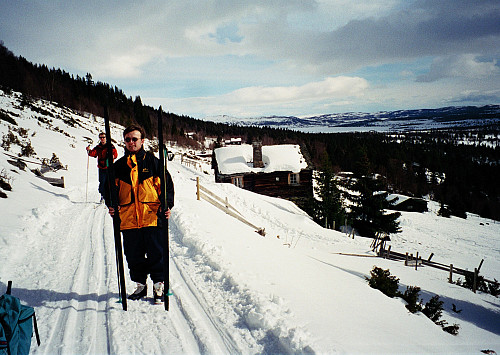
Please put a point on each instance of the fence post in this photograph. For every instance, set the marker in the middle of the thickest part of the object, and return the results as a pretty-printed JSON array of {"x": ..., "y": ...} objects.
[
  {"x": 416, "y": 261},
  {"x": 406, "y": 259},
  {"x": 198, "y": 188},
  {"x": 474, "y": 285},
  {"x": 450, "y": 278},
  {"x": 480, "y": 264}
]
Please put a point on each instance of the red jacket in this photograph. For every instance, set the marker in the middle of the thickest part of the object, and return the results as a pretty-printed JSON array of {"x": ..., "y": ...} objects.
[{"x": 100, "y": 152}]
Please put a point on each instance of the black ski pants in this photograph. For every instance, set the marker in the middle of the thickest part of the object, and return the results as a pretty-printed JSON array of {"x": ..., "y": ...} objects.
[
  {"x": 144, "y": 252},
  {"x": 103, "y": 176}
]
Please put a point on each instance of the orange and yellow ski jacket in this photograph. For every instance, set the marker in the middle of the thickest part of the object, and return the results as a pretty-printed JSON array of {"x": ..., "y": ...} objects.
[{"x": 139, "y": 191}]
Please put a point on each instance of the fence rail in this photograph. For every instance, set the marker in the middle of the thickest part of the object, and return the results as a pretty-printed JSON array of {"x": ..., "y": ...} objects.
[
  {"x": 20, "y": 163},
  {"x": 191, "y": 163},
  {"x": 223, "y": 204},
  {"x": 416, "y": 261}
]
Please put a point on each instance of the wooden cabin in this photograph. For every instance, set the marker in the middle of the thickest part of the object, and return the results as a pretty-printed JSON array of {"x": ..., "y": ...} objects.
[
  {"x": 276, "y": 170},
  {"x": 408, "y": 204}
]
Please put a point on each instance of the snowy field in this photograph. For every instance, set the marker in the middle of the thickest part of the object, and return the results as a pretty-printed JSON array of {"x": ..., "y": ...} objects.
[{"x": 234, "y": 291}]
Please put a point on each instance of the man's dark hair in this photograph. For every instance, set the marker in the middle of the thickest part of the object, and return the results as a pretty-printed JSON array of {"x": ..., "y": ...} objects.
[{"x": 135, "y": 128}]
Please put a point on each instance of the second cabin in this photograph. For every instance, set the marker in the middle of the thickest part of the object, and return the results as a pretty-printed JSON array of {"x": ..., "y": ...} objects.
[{"x": 274, "y": 170}]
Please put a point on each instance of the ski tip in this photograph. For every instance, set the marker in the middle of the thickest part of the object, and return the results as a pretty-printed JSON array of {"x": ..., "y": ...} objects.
[{"x": 170, "y": 293}]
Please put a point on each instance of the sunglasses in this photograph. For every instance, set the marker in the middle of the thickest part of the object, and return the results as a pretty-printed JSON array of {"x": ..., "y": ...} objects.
[
  {"x": 133, "y": 139},
  {"x": 102, "y": 137}
]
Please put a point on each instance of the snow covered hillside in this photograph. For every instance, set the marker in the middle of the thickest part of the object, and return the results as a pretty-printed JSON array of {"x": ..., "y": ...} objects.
[
  {"x": 384, "y": 121},
  {"x": 299, "y": 289}
]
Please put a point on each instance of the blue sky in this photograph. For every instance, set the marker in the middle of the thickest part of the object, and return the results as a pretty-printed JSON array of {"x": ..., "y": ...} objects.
[{"x": 269, "y": 57}]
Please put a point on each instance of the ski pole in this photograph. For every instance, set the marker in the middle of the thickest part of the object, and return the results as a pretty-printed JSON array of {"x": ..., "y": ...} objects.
[
  {"x": 164, "y": 207},
  {"x": 87, "y": 184},
  {"x": 113, "y": 196}
]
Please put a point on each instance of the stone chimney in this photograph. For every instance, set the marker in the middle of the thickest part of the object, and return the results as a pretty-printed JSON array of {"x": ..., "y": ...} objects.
[{"x": 257, "y": 155}]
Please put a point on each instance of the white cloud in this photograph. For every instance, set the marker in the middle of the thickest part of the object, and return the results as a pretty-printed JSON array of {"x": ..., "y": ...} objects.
[
  {"x": 323, "y": 36},
  {"x": 125, "y": 65},
  {"x": 466, "y": 66},
  {"x": 198, "y": 52},
  {"x": 476, "y": 96},
  {"x": 252, "y": 101},
  {"x": 329, "y": 88}
]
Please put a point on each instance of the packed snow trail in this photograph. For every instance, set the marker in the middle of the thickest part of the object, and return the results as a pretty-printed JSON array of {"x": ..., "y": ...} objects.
[
  {"x": 83, "y": 315},
  {"x": 68, "y": 258},
  {"x": 76, "y": 304},
  {"x": 70, "y": 253}
]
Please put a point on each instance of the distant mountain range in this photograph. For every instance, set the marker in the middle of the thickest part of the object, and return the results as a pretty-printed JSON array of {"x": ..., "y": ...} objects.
[{"x": 403, "y": 120}]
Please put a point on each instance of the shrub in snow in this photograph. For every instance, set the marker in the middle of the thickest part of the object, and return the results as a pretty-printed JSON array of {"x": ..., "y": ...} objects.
[
  {"x": 482, "y": 285},
  {"x": 388, "y": 284},
  {"x": 5, "y": 180},
  {"x": 444, "y": 212},
  {"x": 27, "y": 150},
  {"x": 11, "y": 138},
  {"x": 4, "y": 183},
  {"x": 411, "y": 296},
  {"x": 385, "y": 282},
  {"x": 5, "y": 117},
  {"x": 55, "y": 163},
  {"x": 494, "y": 288},
  {"x": 433, "y": 309},
  {"x": 8, "y": 139},
  {"x": 452, "y": 329}
]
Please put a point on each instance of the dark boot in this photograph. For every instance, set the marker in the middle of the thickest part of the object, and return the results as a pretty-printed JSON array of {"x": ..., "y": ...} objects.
[{"x": 140, "y": 292}]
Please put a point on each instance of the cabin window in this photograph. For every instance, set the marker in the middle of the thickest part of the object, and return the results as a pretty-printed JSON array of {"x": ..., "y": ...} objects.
[
  {"x": 294, "y": 179},
  {"x": 237, "y": 180}
]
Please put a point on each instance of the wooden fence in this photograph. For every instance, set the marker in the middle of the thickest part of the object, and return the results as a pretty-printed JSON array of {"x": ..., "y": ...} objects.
[
  {"x": 417, "y": 261},
  {"x": 223, "y": 204},
  {"x": 21, "y": 163},
  {"x": 191, "y": 163}
]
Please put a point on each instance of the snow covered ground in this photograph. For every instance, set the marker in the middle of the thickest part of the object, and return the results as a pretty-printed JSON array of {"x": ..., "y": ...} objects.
[{"x": 234, "y": 291}]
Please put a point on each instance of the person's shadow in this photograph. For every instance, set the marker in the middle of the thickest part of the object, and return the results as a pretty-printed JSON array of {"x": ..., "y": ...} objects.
[{"x": 51, "y": 299}]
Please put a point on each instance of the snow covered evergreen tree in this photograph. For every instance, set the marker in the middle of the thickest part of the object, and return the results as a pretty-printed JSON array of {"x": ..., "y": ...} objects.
[
  {"x": 368, "y": 211},
  {"x": 330, "y": 211}
]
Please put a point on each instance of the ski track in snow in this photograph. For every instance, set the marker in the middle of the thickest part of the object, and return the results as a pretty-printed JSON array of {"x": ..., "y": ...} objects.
[
  {"x": 87, "y": 303},
  {"x": 246, "y": 322},
  {"x": 77, "y": 308},
  {"x": 81, "y": 287}
]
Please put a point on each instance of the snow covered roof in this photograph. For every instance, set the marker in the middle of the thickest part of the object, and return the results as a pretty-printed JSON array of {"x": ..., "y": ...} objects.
[{"x": 238, "y": 159}]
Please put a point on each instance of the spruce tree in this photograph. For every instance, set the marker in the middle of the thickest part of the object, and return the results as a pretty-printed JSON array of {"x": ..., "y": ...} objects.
[
  {"x": 329, "y": 211},
  {"x": 369, "y": 203}
]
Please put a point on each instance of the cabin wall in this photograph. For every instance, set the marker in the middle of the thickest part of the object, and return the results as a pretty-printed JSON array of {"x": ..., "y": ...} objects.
[{"x": 275, "y": 184}]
